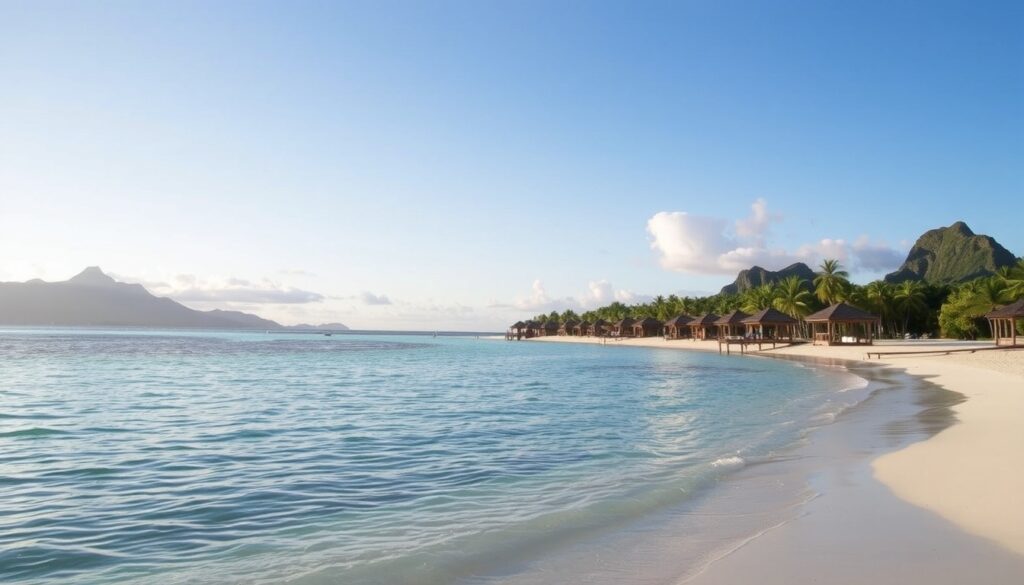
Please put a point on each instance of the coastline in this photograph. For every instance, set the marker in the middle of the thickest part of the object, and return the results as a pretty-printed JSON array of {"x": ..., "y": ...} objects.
[{"x": 962, "y": 475}]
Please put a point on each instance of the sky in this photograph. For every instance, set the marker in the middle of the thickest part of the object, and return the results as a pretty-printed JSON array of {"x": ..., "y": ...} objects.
[{"x": 462, "y": 165}]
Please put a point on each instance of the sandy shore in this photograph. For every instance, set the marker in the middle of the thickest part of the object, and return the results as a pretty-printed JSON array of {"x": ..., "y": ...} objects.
[{"x": 968, "y": 474}]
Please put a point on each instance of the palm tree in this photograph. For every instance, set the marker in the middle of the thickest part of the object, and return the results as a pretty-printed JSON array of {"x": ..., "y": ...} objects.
[
  {"x": 879, "y": 296},
  {"x": 758, "y": 298},
  {"x": 910, "y": 299},
  {"x": 830, "y": 284},
  {"x": 1013, "y": 278},
  {"x": 793, "y": 299}
]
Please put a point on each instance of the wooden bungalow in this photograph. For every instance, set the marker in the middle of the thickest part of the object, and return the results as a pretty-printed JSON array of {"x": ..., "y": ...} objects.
[
  {"x": 517, "y": 331},
  {"x": 598, "y": 328},
  {"x": 843, "y": 324},
  {"x": 549, "y": 328},
  {"x": 770, "y": 324},
  {"x": 623, "y": 328},
  {"x": 677, "y": 327},
  {"x": 582, "y": 328},
  {"x": 731, "y": 325},
  {"x": 532, "y": 329},
  {"x": 647, "y": 327},
  {"x": 1003, "y": 322},
  {"x": 703, "y": 326},
  {"x": 568, "y": 328}
]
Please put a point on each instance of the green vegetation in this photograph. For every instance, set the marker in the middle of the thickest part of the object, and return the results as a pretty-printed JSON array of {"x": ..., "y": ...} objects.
[
  {"x": 911, "y": 306},
  {"x": 951, "y": 255}
]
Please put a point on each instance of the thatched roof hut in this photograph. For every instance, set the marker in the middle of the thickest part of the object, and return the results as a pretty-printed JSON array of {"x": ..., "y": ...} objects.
[
  {"x": 843, "y": 324},
  {"x": 582, "y": 328},
  {"x": 731, "y": 323},
  {"x": 703, "y": 326},
  {"x": 623, "y": 327},
  {"x": 549, "y": 328},
  {"x": 676, "y": 327},
  {"x": 1003, "y": 322},
  {"x": 770, "y": 324},
  {"x": 647, "y": 327},
  {"x": 567, "y": 328},
  {"x": 598, "y": 327}
]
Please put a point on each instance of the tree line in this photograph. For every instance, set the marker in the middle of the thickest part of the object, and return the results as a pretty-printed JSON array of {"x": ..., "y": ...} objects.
[{"x": 910, "y": 307}]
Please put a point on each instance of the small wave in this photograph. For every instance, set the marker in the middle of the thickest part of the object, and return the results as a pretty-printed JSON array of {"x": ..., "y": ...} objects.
[
  {"x": 733, "y": 462},
  {"x": 33, "y": 432}
]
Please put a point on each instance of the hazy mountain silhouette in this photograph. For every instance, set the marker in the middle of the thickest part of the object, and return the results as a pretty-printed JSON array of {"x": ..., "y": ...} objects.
[{"x": 94, "y": 299}]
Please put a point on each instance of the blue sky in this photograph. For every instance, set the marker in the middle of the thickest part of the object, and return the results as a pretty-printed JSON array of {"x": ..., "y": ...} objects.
[{"x": 459, "y": 164}]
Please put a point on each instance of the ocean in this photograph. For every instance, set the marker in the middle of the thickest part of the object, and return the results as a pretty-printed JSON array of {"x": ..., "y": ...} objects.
[{"x": 249, "y": 457}]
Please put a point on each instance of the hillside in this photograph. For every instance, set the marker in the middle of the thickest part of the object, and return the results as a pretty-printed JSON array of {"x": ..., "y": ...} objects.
[
  {"x": 952, "y": 254},
  {"x": 94, "y": 299},
  {"x": 756, "y": 276}
]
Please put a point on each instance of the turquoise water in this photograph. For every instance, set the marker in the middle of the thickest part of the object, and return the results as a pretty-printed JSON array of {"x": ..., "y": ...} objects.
[{"x": 212, "y": 457}]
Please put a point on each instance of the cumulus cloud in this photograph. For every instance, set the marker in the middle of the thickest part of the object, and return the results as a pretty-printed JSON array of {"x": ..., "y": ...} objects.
[
  {"x": 369, "y": 298},
  {"x": 709, "y": 245},
  {"x": 597, "y": 294}
]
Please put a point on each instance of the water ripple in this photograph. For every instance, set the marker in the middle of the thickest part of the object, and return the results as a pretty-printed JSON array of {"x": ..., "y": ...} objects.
[{"x": 213, "y": 457}]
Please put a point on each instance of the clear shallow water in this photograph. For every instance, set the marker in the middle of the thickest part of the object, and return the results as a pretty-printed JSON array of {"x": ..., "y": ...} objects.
[{"x": 246, "y": 457}]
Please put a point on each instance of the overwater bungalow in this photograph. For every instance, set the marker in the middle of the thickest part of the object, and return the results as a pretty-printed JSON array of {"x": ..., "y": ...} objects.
[
  {"x": 770, "y": 324},
  {"x": 677, "y": 327},
  {"x": 623, "y": 327},
  {"x": 582, "y": 328},
  {"x": 1003, "y": 322},
  {"x": 703, "y": 326},
  {"x": 647, "y": 327},
  {"x": 598, "y": 328},
  {"x": 843, "y": 324},
  {"x": 568, "y": 327},
  {"x": 517, "y": 331},
  {"x": 731, "y": 325}
]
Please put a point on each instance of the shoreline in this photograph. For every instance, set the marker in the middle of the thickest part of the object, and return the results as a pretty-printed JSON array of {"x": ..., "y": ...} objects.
[{"x": 963, "y": 474}]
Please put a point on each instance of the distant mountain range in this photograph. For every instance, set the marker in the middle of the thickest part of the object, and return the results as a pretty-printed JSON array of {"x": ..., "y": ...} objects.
[
  {"x": 93, "y": 298},
  {"x": 945, "y": 255}
]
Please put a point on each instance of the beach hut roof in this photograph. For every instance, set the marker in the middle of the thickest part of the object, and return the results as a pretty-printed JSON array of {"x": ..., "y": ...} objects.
[
  {"x": 518, "y": 325},
  {"x": 841, "y": 313},
  {"x": 570, "y": 323},
  {"x": 583, "y": 323},
  {"x": 647, "y": 322},
  {"x": 627, "y": 322},
  {"x": 678, "y": 320},
  {"x": 732, "y": 318},
  {"x": 550, "y": 325},
  {"x": 599, "y": 323},
  {"x": 531, "y": 324},
  {"x": 769, "y": 316},
  {"x": 1013, "y": 310},
  {"x": 706, "y": 319}
]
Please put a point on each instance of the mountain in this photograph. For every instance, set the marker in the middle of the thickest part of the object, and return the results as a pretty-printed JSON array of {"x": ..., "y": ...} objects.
[
  {"x": 94, "y": 298},
  {"x": 756, "y": 276},
  {"x": 952, "y": 254}
]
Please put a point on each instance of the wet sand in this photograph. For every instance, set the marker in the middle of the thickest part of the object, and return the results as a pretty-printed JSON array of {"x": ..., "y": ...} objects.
[{"x": 941, "y": 503}]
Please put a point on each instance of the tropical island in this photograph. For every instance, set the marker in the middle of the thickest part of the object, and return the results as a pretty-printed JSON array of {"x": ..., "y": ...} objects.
[{"x": 951, "y": 279}]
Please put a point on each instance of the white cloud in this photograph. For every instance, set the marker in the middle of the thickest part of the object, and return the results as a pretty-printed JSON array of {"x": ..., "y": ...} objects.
[
  {"x": 369, "y": 298},
  {"x": 598, "y": 294},
  {"x": 704, "y": 245},
  {"x": 872, "y": 257}
]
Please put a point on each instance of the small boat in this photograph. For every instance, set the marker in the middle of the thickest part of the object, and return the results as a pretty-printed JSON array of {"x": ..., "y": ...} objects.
[{"x": 327, "y": 334}]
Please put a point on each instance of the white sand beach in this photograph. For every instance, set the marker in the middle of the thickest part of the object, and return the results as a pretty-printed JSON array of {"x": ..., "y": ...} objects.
[{"x": 968, "y": 475}]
